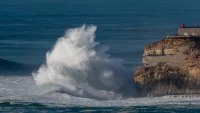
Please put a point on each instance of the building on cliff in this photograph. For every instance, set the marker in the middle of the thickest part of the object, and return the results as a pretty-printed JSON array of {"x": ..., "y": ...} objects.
[
  {"x": 189, "y": 31},
  {"x": 186, "y": 32}
]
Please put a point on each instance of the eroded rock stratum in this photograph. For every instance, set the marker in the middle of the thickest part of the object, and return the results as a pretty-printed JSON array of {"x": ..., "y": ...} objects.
[{"x": 170, "y": 66}]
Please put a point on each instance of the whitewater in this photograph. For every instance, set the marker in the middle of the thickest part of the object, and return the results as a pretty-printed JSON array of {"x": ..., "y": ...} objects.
[
  {"x": 80, "y": 67},
  {"x": 78, "y": 71}
]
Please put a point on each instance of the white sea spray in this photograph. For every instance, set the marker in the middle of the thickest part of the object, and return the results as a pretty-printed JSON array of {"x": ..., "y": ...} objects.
[{"x": 79, "y": 69}]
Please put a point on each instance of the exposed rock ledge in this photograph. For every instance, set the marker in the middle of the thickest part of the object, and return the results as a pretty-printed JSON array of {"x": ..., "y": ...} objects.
[{"x": 170, "y": 66}]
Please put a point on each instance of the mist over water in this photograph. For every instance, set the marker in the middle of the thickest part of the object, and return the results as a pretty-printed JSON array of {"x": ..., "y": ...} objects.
[{"x": 79, "y": 66}]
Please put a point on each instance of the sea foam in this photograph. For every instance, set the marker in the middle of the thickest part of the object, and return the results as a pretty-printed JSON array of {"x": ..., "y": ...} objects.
[{"x": 80, "y": 67}]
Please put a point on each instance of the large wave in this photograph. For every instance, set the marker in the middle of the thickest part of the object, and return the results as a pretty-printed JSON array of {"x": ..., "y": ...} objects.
[{"x": 80, "y": 67}]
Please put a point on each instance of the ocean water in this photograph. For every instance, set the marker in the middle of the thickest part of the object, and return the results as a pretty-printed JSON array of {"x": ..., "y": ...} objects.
[{"x": 79, "y": 56}]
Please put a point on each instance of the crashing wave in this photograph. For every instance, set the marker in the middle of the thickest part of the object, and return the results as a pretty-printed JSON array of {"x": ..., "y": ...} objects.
[{"x": 80, "y": 69}]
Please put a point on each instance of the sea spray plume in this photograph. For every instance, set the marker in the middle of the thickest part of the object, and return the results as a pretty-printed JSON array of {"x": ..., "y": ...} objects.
[{"x": 79, "y": 69}]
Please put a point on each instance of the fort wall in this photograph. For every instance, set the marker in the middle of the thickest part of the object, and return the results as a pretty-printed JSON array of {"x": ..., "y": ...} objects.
[{"x": 189, "y": 31}]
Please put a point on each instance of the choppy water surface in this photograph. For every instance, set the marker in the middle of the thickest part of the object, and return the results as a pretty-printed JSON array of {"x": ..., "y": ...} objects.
[
  {"x": 26, "y": 107},
  {"x": 79, "y": 56}
]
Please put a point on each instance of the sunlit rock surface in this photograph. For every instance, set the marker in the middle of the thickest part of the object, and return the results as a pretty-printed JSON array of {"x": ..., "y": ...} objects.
[{"x": 170, "y": 66}]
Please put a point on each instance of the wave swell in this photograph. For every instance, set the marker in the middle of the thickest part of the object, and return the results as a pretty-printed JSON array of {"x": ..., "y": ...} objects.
[{"x": 15, "y": 68}]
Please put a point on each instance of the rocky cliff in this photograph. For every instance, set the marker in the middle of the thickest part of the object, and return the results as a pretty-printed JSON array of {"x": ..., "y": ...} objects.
[{"x": 170, "y": 66}]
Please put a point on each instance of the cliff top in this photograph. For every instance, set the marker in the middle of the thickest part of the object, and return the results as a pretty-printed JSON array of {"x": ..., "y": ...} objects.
[{"x": 184, "y": 36}]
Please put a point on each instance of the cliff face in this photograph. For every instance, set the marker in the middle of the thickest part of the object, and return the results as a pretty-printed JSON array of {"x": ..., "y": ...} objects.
[{"x": 170, "y": 66}]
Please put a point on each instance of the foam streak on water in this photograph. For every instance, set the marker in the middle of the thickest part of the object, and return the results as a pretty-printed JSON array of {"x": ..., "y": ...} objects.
[{"x": 80, "y": 69}]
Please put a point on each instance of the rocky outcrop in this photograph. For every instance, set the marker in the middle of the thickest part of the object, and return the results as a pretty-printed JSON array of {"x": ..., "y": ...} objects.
[{"x": 170, "y": 66}]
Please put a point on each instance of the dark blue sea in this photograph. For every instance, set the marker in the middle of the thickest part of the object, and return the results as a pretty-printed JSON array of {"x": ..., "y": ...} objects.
[{"x": 80, "y": 55}]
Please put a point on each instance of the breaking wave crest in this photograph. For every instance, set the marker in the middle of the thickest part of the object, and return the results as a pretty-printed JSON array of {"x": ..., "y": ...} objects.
[{"x": 80, "y": 67}]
